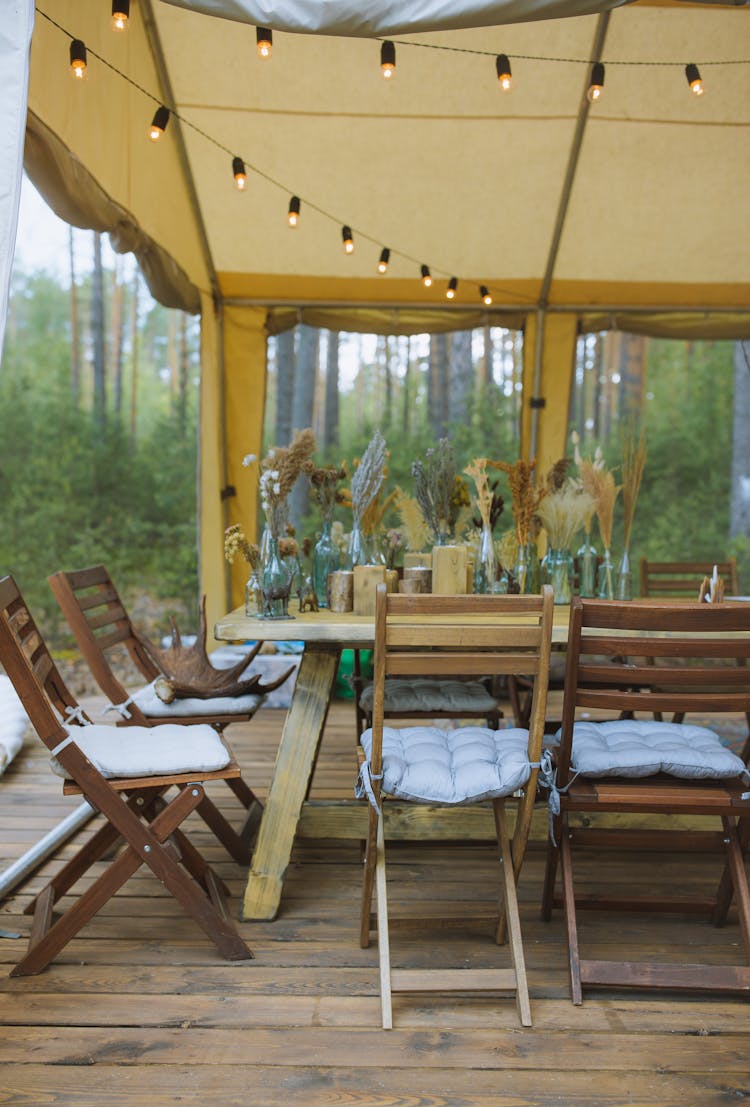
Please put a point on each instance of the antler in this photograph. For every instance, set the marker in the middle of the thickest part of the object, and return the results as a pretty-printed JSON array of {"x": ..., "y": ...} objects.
[{"x": 187, "y": 672}]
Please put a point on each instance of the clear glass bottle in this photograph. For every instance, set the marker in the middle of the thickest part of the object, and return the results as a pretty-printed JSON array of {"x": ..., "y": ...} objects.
[
  {"x": 253, "y": 594},
  {"x": 325, "y": 560},
  {"x": 587, "y": 565},
  {"x": 357, "y": 552},
  {"x": 275, "y": 584},
  {"x": 606, "y": 578},
  {"x": 624, "y": 577},
  {"x": 558, "y": 571},
  {"x": 485, "y": 564}
]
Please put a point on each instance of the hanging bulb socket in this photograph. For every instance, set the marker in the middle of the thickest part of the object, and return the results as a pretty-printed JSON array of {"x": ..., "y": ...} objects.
[
  {"x": 264, "y": 41},
  {"x": 159, "y": 123},
  {"x": 596, "y": 84},
  {"x": 348, "y": 239},
  {"x": 385, "y": 257},
  {"x": 293, "y": 215},
  {"x": 426, "y": 278},
  {"x": 484, "y": 292},
  {"x": 692, "y": 73},
  {"x": 450, "y": 292},
  {"x": 240, "y": 174},
  {"x": 504, "y": 75},
  {"x": 120, "y": 14},
  {"x": 78, "y": 58},
  {"x": 387, "y": 59}
]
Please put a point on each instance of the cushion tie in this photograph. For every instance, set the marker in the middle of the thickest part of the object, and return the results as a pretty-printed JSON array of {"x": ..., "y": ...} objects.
[
  {"x": 548, "y": 779},
  {"x": 61, "y": 746},
  {"x": 75, "y": 714},
  {"x": 120, "y": 708},
  {"x": 364, "y": 786}
]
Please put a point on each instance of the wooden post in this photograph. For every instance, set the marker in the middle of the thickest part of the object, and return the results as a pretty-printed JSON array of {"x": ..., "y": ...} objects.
[
  {"x": 449, "y": 570},
  {"x": 366, "y": 578}
]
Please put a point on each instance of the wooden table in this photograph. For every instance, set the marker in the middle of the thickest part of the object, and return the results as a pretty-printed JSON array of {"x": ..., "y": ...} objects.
[{"x": 325, "y": 634}]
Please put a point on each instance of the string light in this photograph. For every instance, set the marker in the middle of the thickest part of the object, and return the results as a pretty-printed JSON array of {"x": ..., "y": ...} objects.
[
  {"x": 78, "y": 58},
  {"x": 387, "y": 59},
  {"x": 694, "y": 79},
  {"x": 385, "y": 257},
  {"x": 240, "y": 173},
  {"x": 120, "y": 14},
  {"x": 346, "y": 234},
  {"x": 450, "y": 292},
  {"x": 426, "y": 278},
  {"x": 596, "y": 84},
  {"x": 264, "y": 41},
  {"x": 293, "y": 216},
  {"x": 159, "y": 123},
  {"x": 504, "y": 76},
  {"x": 484, "y": 292}
]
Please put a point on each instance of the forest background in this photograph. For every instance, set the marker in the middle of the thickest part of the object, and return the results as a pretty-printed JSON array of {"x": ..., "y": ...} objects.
[{"x": 99, "y": 409}]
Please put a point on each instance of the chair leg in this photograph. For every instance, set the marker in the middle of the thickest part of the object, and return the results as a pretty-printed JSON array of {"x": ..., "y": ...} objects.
[
  {"x": 550, "y": 872},
  {"x": 733, "y": 841},
  {"x": 512, "y": 914},
  {"x": 234, "y": 844},
  {"x": 384, "y": 948},
  {"x": 726, "y": 885},
  {"x": 569, "y": 902},
  {"x": 368, "y": 879}
]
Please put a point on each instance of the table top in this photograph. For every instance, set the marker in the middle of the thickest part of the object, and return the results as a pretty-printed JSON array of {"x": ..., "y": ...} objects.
[{"x": 327, "y": 626}]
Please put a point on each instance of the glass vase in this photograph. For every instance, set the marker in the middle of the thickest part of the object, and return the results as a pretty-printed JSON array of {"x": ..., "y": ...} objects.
[
  {"x": 606, "y": 578},
  {"x": 485, "y": 565},
  {"x": 253, "y": 594},
  {"x": 527, "y": 569},
  {"x": 356, "y": 554},
  {"x": 587, "y": 570},
  {"x": 275, "y": 585},
  {"x": 558, "y": 574},
  {"x": 624, "y": 577},
  {"x": 325, "y": 560}
]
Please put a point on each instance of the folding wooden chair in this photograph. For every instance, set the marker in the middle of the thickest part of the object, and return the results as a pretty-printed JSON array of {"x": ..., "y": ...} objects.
[
  {"x": 100, "y": 623},
  {"x": 673, "y": 579},
  {"x": 448, "y": 636},
  {"x": 125, "y": 775},
  {"x": 644, "y": 766}
]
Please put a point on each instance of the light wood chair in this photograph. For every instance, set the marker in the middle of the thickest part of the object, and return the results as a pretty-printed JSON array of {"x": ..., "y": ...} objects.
[
  {"x": 142, "y": 824},
  {"x": 100, "y": 624},
  {"x": 683, "y": 578},
  {"x": 450, "y": 635},
  {"x": 632, "y": 767}
]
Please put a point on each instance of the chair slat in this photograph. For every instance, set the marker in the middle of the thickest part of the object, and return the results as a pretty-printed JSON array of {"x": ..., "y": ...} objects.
[
  {"x": 97, "y": 599},
  {"x": 461, "y": 664},
  {"x": 107, "y": 618},
  {"x": 480, "y": 637},
  {"x": 640, "y": 645}
]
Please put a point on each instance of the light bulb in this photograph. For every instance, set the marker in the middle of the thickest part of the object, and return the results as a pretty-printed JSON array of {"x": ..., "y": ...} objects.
[
  {"x": 120, "y": 14},
  {"x": 692, "y": 73},
  {"x": 387, "y": 59},
  {"x": 240, "y": 173},
  {"x": 596, "y": 84},
  {"x": 346, "y": 235},
  {"x": 502, "y": 65},
  {"x": 484, "y": 292},
  {"x": 78, "y": 59},
  {"x": 264, "y": 41},
  {"x": 293, "y": 216},
  {"x": 385, "y": 257},
  {"x": 426, "y": 278},
  {"x": 450, "y": 292},
  {"x": 159, "y": 123}
]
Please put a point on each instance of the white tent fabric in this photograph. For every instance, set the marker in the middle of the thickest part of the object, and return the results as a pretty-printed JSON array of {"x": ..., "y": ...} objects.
[
  {"x": 390, "y": 17},
  {"x": 15, "y": 34}
]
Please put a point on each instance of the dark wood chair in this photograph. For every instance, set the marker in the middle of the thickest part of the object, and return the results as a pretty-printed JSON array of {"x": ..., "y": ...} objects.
[
  {"x": 101, "y": 624},
  {"x": 449, "y": 635},
  {"x": 643, "y": 766},
  {"x": 142, "y": 824},
  {"x": 675, "y": 579}
]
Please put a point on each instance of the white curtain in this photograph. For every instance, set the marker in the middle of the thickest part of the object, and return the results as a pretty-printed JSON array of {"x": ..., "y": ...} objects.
[
  {"x": 15, "y": 37},
  {"x": 390, "y": 17}
]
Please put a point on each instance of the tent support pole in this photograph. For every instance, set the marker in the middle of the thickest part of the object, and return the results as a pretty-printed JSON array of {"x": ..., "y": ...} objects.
[{"x": 32, "y": 859}]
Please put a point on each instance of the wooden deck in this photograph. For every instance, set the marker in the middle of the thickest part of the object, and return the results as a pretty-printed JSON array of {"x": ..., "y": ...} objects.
[{"x": 141, "y": 1010}]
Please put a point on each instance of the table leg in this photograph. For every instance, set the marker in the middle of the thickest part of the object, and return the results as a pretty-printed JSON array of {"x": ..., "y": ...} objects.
[{"x": 295, "y": 761}]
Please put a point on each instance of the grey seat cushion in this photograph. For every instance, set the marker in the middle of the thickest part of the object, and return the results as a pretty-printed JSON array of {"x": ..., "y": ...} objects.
[
  {"x": 464, "y": 765},
  {"x": 163, "y": 750},
  {"x": 422, "y": 694},
  {"x": 638, "y": 748},
  {"x": 150, "y": 704}
]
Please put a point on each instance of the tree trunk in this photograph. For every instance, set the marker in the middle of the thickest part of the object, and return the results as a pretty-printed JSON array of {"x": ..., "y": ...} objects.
[
  {"x": 302, "y": 412},
  {"x": 437, "y": 385},
  {"x": 97, "y": 327},
  {"x": 182, "y": 382},
  {"x": 388, "y": 375},
  {"x": 484, "y": 376},
  {"x": 134, "y": 359},
  {"x": 284, "y": 387},
  {"x": 739, "y": 515},
  {"x": 331, "y": 407},
  {"x": 461, "y": 377},
  {"x": 172, "y": 360},
  {"x": 406, "y": 421},
  {"x": 116, "y": 330},
  {"x": 75, "y": 330}
]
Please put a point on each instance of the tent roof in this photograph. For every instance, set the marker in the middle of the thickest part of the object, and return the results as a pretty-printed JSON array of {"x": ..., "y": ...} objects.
[{"x": 438, "y": 164}]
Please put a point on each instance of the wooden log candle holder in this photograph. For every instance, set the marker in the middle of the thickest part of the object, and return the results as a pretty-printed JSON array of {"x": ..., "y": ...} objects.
[
  {"x": 449, "y": 570},
  {"x": 341, "y": 591}
]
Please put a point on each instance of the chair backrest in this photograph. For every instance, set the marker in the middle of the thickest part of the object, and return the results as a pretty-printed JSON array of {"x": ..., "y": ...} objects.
[
  {"x": 683, "y": 578},
  {"x": 27, "y": 661},
  {"x": 99, "y": 622},
  {"x": 459, "y": 636},
  {"x": 699, "y": 652}
]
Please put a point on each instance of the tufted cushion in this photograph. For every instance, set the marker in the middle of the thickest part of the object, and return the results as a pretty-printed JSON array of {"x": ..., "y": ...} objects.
[
  {"x": 635, "y": 748},
  {"x": 465, "y": 765},
  {"x": 149, "y": 751},
  {"x": 150, "y": 704},
  {"x": 432, "y": 695}
]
